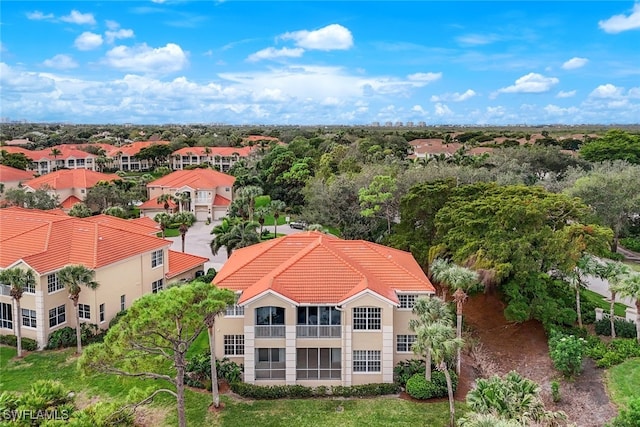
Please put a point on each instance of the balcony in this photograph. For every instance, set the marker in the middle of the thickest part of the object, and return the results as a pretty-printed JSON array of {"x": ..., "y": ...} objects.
[
  {"x": 272, "y": 331},
  {"x": 318, "y": 331}
]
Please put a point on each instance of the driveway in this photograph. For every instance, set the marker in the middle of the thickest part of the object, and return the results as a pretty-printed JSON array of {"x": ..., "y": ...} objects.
[{"x": 198, "y": 240}]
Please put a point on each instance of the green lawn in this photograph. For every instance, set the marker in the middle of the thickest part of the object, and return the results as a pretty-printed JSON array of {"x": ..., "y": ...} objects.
[
  {"x": 634, "y": 265},
  {"x": 17, "y": 375},
  {"x": 623, "y": 381},
  {"x": 169, "y": 232},
  {"x": 598, "y": 300}
]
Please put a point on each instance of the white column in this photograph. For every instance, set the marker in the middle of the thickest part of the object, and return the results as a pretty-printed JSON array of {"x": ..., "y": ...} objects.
[
  {"x": 290, "y": 354},
  {"x": 387, "y": 353},
  {"x": 347, "y": 356},
  {"x": 249, "y": 355},
  {"x": 41, "y": 319}
]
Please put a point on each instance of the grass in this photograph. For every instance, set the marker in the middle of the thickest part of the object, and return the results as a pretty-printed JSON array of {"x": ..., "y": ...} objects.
[
  {"x": 18, "y": 375},
  {"x": 634, "y": 265},
  {"x": 622, "y": 381},
  {"x": 169, "y": 232},
  {"x": 598, "y": 300}
]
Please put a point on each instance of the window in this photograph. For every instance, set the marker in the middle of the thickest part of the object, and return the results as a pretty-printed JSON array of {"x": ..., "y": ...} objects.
[
  {"x": 157, "y": 286},
  {"x": 28, "y": 318},
  {"x": 101, "y": 313},
  {"x": 318, "y": 316},
  {"x": 318, "y": 363},
  {"x": 407, "y": 301},
  {"x": 123, "y": 302},
  {"x": 6, "y": 316},
  {"x": 53, "y": 284},
  {"x": 157, "y": 258},
  {"x": 84, "y": 311},
  {"x": 30, "y": 288},
  {"x": 366, "y": 361},
  {"x": 57, "y": 316},
  {"x": 233, "y": 345},
  {"x": 270, "y": 363},
  {"x": 234, "y": 310},
  {"x": 267, "y": 316},
  {"x": 366, "y": 318},
  {"x": 404, "y": 342}
]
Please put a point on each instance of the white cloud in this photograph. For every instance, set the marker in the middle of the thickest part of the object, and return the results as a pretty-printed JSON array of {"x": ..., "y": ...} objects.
[
  {"x": 555, "y": 110},
  {"x": 145, "y": 59},
  {"x": 634, "y": 93},
  {"x": 76, "y": 17},
  {"x": 574, "y": 63},
  {"x": 531, "y": 83},
  {"x": 88, "y": 41},
  {"x": 272, "y": 53},
  {"x": 418, "y": 109},
  {"x": 442, "y": 110},
  {"x": 36, "y": 15},
  {"x": 422, "y": 79},
  {"x": 331, "y": 37},
  {"x": 619, "y": 23},
  {"x": 15, "y": 81},
  {"x": 566, "y": 94},
  {"x": 60, "y": 62},
  {"x": 111, "y": 36},
  {"x": 478, "y": 39},
  {"x": 607, "y": 91},
  {"x": 454, "y": 97}
]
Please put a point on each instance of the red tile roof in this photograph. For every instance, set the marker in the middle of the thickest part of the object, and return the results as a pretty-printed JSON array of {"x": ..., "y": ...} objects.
[
  {"x": 221, "y": 201},
  {"x": 316, "y": 268},
  {"x": 70, "y": 178},
  {"x": 47, "y": 242},
  {"x": 154, "y": 204},
  {"x": 133, "y": 148},
  {"x": 181, "y": 262},
  {"x": 9, "y": 174},
  {"x": 130, "y": 225},
  {"x": 69, "y": 202},
  {"x": 214, "y": 151},
  {"x": 195, "y": 178},
  {"x": 15, "y": 142}
]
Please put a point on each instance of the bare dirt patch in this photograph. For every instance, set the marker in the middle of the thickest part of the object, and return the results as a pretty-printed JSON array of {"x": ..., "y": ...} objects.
[{"x": 505, "y": 346}]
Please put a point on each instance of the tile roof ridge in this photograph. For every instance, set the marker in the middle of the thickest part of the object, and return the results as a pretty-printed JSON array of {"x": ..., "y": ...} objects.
[
  {"x": 247, "y": 260},
  {"x": 376, "y": 247}
]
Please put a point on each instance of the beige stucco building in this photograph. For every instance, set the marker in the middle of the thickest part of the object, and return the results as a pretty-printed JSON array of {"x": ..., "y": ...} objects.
[{"x": 316, "y": 310}]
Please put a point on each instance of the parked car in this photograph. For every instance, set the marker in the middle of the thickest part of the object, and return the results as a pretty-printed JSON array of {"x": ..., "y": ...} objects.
[{"x": 300, "y": 225}]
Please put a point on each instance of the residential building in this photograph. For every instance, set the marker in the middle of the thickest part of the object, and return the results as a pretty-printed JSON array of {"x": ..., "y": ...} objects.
[
  {"x": 54, "y": 158},
  {"x": 128, "y": 263},
  {"x": 313, "y": 309},
  {"x": 207, "y": 193},
  {"x": 11, "y": 178},
  {"x": 221, "y": 157},
  {"x": 124, "y": 157},
  {"x": 70, "y": 185}
]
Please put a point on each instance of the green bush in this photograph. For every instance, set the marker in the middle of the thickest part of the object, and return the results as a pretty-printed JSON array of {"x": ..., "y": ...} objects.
[
  {"x": 198, "y": 370},
  {"x": 419, "y": 388},
  {"x": 11, "y": 340},
  {"x": 364, "y": 390},
  {"x": 613, "y": 353},
  {"x": 624, "y": 329},
  {"x": 297, "y": 391},
  {"x": 629, "y": 417},
  {"x": 566, "y": 352},
  {"x": 631, "y": 243},
  {"x": 405, "y": 369},
  {"x": 66, "y": 337},
  {"x": 119, "y": 315}
]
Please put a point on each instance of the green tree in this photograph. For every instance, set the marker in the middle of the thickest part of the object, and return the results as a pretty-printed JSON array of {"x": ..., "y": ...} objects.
[
  {"x": 276, "y": 208},
  {"x": 166, "y": 199},
  {"x": 614, "y": 273},
  {"x": 186, "y": 220},
  {"x": 261, "y": 213},
  {"x": 14, "y": 160},
  {"x": 629, "y": 286},
  {"x": 38, "y": 199},
  {"x": 379, "y": 199},
  {"x": 614, "y": 145},
  {"x": 55, "y": 153},
  {"x": 116, "y": 211},
  {"x": 164, "y": 220},
  {"x": 152, "y": 339},
  {"x": 156, "y": 154},
  {"x": 19, "y": 281},
  {"x": 80, "y": 210},
  {"x": 428, "y": 310},
  {"x": 222, "y": 232},
  {"x": 74, "y": 277},
  {"x": 247, "y": 197}
]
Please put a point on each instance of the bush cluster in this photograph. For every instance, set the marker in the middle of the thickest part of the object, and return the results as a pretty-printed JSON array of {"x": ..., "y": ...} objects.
[
  {"x": 566, "y": 352},
  {"x": 11, "y": 340},
  {"x": 405, "y": 369},
  {"x": 613, "y": 353},
  {"x": 297, "y": 391},
  {"x": 629, "y": 417},
  {"x": 624, "y": 329},
  {"x": 419, "y": 388},
  {"x": 66, "y": 337},
  {"x": 199, "y": 370},
  {"x": 631, "y": 243}
]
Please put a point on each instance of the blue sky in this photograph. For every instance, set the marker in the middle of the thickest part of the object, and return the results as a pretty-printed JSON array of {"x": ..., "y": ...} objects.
[{"x": 308, "y": 63}]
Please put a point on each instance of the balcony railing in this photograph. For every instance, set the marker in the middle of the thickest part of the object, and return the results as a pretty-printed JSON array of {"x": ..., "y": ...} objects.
[
  {"x": 318, "y": 331},
  {"x": 274, "y": 331}
]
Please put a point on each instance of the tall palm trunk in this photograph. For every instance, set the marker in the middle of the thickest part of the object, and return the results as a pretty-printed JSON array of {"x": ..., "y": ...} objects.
[
  {"x": 214, "y": 372},
  {"x": 78, "y": 333},
  {"x": 459, "y": 335},
  {"x": 427, "y": 371},
  {"x": 578, "y": 309},
  {"x": 611, "y": 311},
  {"x": 18, "y": 327},
  {"x": 452, "y": 408}
]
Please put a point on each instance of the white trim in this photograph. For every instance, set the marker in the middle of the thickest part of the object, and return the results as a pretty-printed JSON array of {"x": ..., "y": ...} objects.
[
  {"x": 368, "y": 292},
  {"x": 269, "y": 292}
]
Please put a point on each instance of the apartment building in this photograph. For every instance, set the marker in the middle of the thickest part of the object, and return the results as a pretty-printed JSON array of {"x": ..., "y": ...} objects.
[
  {"x": 221, "y": 157},
  {"x": 128, "y": 261},
  {"x": 11, "y": 178},
  {"x": 313, "y": 309}
]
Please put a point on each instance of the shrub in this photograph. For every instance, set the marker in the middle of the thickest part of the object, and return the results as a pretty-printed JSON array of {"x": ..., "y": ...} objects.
[
  {"x": 364, "y": 390},
  {"x": 66, "y": 337},
  {"x": 405, "y": 369},
  {"x": 555, "y": 391},
  {"x": 566, "y": 352},
  {"x": 11, "y": 340},
  {"x": 614, "y": 353},
  {"x": 119, "y": 315},
  {"x": 297, "y": 391},
  {"x": 419, "y": 388},
  {"x": 199, "y": 370},
  {"x": 629, "y": 417},
  {"x": 624, "y": 329},
  {"x": 631, "y": 243}
]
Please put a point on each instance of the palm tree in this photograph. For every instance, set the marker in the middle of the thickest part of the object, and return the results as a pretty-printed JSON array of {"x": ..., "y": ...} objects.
[
  {"x": 166, "y": 198},
  {"x": 19, "y": 280},
  {"x": 261, "y": 213},
  {"x": 428, "y": 310},
  {"x": 440, "y": 338},
  {"x": 183, "y": 198},
  {"x": 440, "y": 270},
  {"x": 55, "y": 153},
  {"x": 222, "y": 234},
  {"x": 73, "y": 277},
  {"x": 249, "y": 194},
  {"x": 186, "y": 220},
  {"x": 164, "y": 220},
  {"x": 243, "y": 234},
  {"x": 586, "y": 265},
  {"x": 629, "y": 286},
  {"x": 276, "y": 207},
  {"x": 613, "y": 272}
]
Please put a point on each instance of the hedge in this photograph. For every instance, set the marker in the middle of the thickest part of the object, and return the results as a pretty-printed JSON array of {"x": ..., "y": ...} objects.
[
  {"x": 11, "y": 340},
  {"x": 298, "y": 391},
  {"x": 624, "y": 328},
  {"x": 419, "y": 388}
]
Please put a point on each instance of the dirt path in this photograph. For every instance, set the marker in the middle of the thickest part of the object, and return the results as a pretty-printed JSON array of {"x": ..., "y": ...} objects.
[{"x": 523, "y": 347}]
